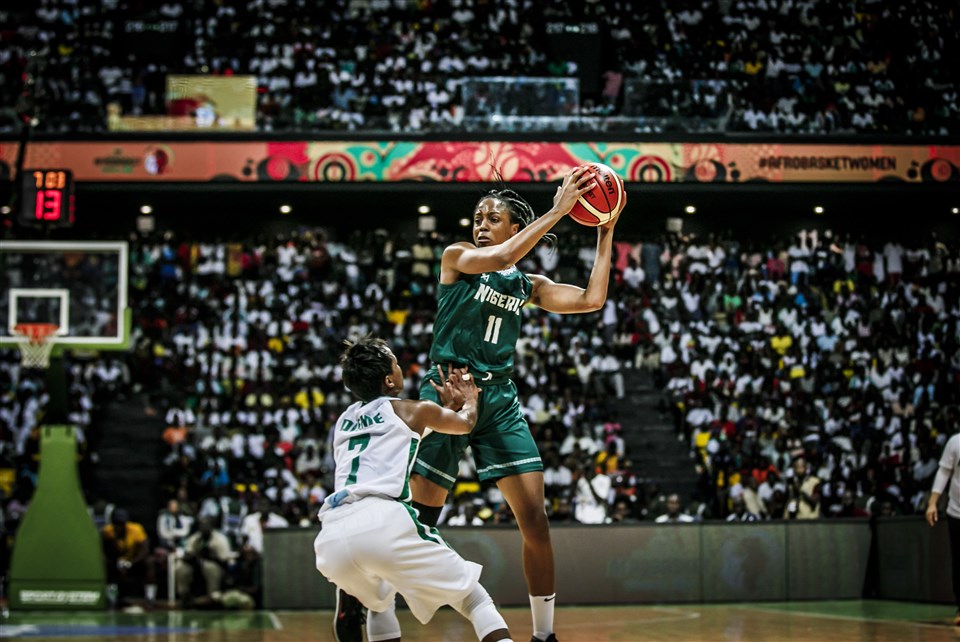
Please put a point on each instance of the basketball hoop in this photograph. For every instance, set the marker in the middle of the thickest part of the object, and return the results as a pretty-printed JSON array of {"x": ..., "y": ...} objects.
[{"x": 35, "y": 351}]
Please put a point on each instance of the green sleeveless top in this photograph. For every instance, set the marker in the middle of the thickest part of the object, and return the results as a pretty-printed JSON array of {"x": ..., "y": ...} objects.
[{"x": 478, "y": 320}]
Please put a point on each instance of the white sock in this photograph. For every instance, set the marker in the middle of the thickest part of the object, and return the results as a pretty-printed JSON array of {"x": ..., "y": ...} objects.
[{"x": 541, "y": 607}]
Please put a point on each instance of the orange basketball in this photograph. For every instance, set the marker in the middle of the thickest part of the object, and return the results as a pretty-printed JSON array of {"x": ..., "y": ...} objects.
[{"x": 604, "y": 202}]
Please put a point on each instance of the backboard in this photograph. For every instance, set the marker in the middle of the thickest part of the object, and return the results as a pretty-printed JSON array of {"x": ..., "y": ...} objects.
[{"x": 80, "y": 286}]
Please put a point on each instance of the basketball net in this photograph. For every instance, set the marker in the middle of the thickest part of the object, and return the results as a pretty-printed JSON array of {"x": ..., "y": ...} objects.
[{"x": 35, "y": 351}]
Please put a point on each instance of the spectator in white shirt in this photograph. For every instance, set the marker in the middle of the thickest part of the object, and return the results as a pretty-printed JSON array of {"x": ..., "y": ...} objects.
[
  {"x": 673, "y": 514},
  {"x": 173, "y": 528},
  {"x": 254, "y": 524},
  {"x": 592, "y": 496},
  {"x": 949, "y": 473}
]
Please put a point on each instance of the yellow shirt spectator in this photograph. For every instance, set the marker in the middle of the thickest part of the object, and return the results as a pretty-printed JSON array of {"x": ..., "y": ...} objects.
[
  {"x": 126, "y": 547},
  {"x": 781, "y": 343},
  {"x": 314, "y": 400}
]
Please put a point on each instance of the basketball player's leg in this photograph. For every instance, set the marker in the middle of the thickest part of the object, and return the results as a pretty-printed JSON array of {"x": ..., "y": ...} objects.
[
  {"x": 429, "y": 574},
  {"x": 339, "y": 557},
  {"x": 506, "y": 453},
  {"x": 524, "y": 494},
  {"x": 428, "y": 498},
  {"x": 383, "y": 626},
  {"x": 487, "y": 622},
  {"x": 435, "y": 470}
]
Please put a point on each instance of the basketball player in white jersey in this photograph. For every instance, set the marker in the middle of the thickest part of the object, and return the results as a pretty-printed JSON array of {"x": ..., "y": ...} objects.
[{"x": 371, "y": 544}]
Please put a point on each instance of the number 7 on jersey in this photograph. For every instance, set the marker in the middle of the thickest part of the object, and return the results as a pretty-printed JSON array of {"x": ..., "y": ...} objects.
[{"x": 362, "y": 441}]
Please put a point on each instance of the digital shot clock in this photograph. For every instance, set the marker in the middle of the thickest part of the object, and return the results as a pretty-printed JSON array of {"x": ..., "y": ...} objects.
[{"x": 46, "y": 197}]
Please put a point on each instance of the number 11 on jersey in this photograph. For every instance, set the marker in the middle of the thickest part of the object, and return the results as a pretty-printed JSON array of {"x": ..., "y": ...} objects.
[{"x": 493, "y": 329}]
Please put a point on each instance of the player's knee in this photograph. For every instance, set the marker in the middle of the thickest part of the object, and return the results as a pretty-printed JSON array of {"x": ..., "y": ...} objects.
[
  {"x": 533, "y": 523},
  {"x": 478, "y": 607},
  {"x": 478, "y": 597}
]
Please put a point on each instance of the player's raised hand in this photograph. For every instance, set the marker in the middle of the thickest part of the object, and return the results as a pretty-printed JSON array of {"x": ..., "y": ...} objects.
[{"x": 577, "y": 182}]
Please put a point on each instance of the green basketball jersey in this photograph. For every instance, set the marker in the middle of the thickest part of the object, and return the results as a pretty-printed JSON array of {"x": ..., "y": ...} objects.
[{"x": 478, "y": 320}]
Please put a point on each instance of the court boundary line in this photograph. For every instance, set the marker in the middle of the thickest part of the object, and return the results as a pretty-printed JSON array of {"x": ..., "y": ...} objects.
[
  {"x": 677, "y": 615},
  {"x": 673, "y": 614},
  {"x": 841, "y": 617},
  {"x": 275, "y": 620}
]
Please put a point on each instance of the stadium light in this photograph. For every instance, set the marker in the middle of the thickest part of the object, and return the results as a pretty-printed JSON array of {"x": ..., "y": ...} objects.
[
  {"x": 955, "y": 210},
  {"x": 285, "y": 209},
  {"x": 146, "y": 209},
  {"x": 690, "y": 209},
  {"x": 464, "y": 222},
  {"x": 818, "y": 209},
  {"x": 6, "y": 210},
  {"x": 424, "y": 209}
]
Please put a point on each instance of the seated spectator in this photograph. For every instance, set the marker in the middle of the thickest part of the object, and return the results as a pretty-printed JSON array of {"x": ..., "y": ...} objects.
[
  {"x": 673, "y": 514},
  {"x": 130, "y": 566},
  {"x": 623, "y": 513},
  {"x": 173, "y": 527},
  {"x": 466, "y": 516},
  {"x": 740, "y": 512},
  {"x": 254, "y": 524},
  {"x": 207, "y": 554},
  {"x": 848, "y": 507}
]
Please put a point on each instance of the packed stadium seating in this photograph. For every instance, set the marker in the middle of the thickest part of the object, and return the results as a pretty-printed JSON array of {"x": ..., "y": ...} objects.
[
  {"x": 806, "y": 376},
  {"x": 832, "y": 350},
  {"x": 751, "y": 65}
]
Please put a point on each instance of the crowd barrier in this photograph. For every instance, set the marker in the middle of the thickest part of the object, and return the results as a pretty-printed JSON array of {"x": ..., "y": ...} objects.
[{"x": 655, "y": 563}]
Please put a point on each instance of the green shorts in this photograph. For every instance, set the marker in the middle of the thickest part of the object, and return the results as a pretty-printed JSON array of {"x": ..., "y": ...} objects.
[{"x": 501, "y": 441}]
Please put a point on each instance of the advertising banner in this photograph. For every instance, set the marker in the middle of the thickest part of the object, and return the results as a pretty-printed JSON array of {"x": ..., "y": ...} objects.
[{"x": 466, "y": 161}]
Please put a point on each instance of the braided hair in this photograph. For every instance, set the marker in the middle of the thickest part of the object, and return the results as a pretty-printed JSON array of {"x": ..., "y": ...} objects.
[{"x": 521, "y": 213}]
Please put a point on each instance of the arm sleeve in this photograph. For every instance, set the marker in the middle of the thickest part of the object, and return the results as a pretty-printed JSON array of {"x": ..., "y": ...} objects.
[
  {"x": 948, "y": 461},
  {"x": 940, "y": 482}
]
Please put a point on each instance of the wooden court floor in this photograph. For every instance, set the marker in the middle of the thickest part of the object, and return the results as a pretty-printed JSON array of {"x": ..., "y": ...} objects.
[{"x": 873, "y": 621}]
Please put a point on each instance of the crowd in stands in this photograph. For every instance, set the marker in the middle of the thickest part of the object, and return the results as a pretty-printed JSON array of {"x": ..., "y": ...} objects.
[
  {"x": 807, "y": 66},
  {"x": 817, "y": 377},
  {"x": 809, "y": 377}
]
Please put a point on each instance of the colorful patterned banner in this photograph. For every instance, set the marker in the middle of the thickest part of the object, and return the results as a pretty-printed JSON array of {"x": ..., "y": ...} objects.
[{"x": 149, "y": 161}]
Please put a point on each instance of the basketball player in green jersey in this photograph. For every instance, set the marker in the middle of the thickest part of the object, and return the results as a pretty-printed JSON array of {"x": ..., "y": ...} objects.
[
  {"x": 481, "y": 296},
  {"x": 477, "y": 325}
]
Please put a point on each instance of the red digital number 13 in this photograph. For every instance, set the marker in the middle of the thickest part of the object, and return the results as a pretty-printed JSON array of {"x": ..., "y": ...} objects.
[{"x": 48, "y": 205}]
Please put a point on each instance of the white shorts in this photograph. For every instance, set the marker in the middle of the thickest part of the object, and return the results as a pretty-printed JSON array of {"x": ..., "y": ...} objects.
[{"x": 375, "y": 548}]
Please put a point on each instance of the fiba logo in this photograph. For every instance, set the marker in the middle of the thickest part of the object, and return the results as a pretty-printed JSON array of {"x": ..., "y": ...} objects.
[{"x": 157, "y": 161}]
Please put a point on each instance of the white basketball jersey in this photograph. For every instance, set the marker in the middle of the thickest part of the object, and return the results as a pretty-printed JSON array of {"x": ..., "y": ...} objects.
[{"x": 374, "y": 451}]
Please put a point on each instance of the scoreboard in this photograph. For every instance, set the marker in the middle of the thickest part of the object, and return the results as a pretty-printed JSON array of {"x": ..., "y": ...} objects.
[{"x": 46, "y": 197}]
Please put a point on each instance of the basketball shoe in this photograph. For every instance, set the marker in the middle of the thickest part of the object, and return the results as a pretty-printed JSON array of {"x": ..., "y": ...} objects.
[
  {"x": 551, "y": 638},
  {"x": 348, "y": 619}
]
